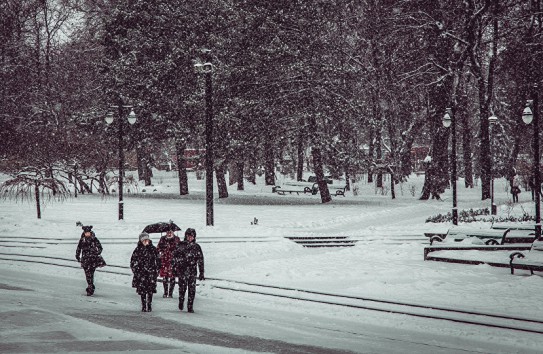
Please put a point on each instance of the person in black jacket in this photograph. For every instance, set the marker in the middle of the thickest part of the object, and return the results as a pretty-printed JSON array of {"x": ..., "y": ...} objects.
[
  {"x": 88, "y": 253},
  {"x": 145, "y": 264},
  {"x": 186, "y": 258}
]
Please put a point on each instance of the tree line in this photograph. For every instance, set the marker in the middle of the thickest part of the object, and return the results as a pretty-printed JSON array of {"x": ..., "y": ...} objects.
[{"x": 359, "y": 83}]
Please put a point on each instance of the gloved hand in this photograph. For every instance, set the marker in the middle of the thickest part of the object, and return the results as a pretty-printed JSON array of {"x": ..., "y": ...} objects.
[{"x": 201, "y": 277}]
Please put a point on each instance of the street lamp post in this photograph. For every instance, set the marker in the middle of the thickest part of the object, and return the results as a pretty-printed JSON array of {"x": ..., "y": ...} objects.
[
  {"x": 529, "y": 116},
  {"x": 449, "y": 121},
  {"x": 493, "y": 209},
  {"x": 207, "y": 69},
  {"x": 131, "y": 119}
]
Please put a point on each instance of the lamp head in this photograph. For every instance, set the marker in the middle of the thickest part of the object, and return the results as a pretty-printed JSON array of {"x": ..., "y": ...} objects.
[
  {"x": 132, "y": 117},
  {"x": 198, "y": 68},
  {"x": 527, "y": 114},
  {"x": 492, "y": 120},
  {"x": 204, "y": 68},
  {"x": 447, "y": 118},
  {"x": 109, "y": 118}
]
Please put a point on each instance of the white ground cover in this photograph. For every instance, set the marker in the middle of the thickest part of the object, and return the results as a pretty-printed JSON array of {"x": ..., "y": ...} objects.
[{"x": 386, "y": 263}]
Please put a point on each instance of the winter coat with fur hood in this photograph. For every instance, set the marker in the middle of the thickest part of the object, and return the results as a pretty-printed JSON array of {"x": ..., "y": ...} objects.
[{"x": 145, "y": 264}]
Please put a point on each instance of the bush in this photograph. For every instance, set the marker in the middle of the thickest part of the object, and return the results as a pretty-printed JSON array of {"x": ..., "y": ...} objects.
[{"x": 473, "y": 215}]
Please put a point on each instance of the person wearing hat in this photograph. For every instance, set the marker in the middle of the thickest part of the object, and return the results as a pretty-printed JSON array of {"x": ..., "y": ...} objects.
[
  {"x": 145, "y": 264},
  {"x": 88, "y": 253},
  {"x": 166, "y": 246},
  {"x": 187, "y": 257}
]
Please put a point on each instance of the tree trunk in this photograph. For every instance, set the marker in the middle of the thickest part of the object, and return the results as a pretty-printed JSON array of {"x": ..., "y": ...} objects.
[
  {"x": 180, "y": 146},
  {"x": 75, "y": 180},
  {"x": 371, "y": 147},
  {"x": 466, "y": 140},
  {"x": 141, "y": 164},
  {"x": 148, "y": 173},
  {"x": 144, "y": 169},
  {"x": 300, "y": 160},
  {"x": 269, "y": 164},
  {"x": 379, "y": 158},
  {"x": 436, "y": 176},
  {"x": 484, "y": 150},
  {"x": 37, "y": 196},
  {"x": 485, "y": 86},
  {"x": 252, "y": 169},
  {"x": 85, "y": 187},
  {"x": 392, "y": 191},
  {"x": 221, "y": 181},
  {"x": 239, "y": 168},
  {"x": 319, "y": 173}
]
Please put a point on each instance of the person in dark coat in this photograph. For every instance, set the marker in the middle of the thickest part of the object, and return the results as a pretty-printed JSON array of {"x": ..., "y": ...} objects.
[
  {"x": 515, "y": 189},
  {"x": 145, "y": 264},
  {"x": 166, "y": 246},
  {"x": 186, "y": 258},
  {"x": 88, "y": 253}
]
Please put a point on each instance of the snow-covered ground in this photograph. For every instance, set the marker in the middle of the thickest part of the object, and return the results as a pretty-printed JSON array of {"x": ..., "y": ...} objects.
[{"x": 43, "y": 307}]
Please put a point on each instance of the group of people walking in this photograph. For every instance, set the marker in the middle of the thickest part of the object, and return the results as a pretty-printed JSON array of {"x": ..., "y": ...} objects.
[{"x": 170, "y": 259}]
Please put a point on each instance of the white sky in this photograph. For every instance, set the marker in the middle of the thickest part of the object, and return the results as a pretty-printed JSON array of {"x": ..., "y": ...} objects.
[{"x": 52, "y": 314}]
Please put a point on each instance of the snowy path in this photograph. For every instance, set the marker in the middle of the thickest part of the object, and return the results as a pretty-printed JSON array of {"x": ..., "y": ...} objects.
[{"x": 44, "y": 313}]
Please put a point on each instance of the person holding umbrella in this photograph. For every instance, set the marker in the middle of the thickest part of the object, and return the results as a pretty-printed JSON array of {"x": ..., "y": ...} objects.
[
  {"x": 186, "y": 258},
  {"x": 166, "y": 246}
]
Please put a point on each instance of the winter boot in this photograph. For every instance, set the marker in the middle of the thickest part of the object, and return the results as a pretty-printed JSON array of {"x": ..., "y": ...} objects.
[
  {"x": 172, "y": 286},
  {"x": 166, "y": 284},
  {"x": 90, "y": 291},
  {"x": 149, "y": 301},
  {"x": 181, "y": 301},
  {"x": 190, "y": 309},
  {"x": 143, "y": 302}
]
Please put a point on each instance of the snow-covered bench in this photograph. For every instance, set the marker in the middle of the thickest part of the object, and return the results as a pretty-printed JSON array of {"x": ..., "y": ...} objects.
[
  {"x": 334, "y": 189},
  {"x": 532, "y": 260},
  {"x": 295, "y": 187},
  {"x": 519, "y": 233},
  {"x": 337, "y": 189},
  {"x": 462, "y": 246},
  {"x": 488, "y": 236}
]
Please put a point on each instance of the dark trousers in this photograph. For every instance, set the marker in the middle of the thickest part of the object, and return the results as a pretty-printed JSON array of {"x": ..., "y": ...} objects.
[
  {"x": 169, "y": 285},
  {"x": 146, "y": 302},
  {"x": 187, "y": 282},
  {"x": 89, "y": 275}
]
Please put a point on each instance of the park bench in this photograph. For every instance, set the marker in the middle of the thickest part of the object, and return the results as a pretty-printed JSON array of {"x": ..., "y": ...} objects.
[
  {"x": 337, "y": 189},
  {"x": 519, "y": 233},
  {"x": 457, "y": 246},
  {"x": 295, "y": 187},
  {"x": 488, "y": 236},
  {"x": 532, "y": 260},
  {"x": 334, "y": 189}
]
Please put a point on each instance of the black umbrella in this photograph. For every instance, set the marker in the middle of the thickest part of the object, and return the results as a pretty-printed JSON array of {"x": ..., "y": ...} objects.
[{"x": 160, "y": 227}]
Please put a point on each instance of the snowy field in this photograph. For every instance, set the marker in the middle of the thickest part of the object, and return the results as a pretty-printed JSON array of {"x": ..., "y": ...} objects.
[{"x": 44, "y": 308}]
